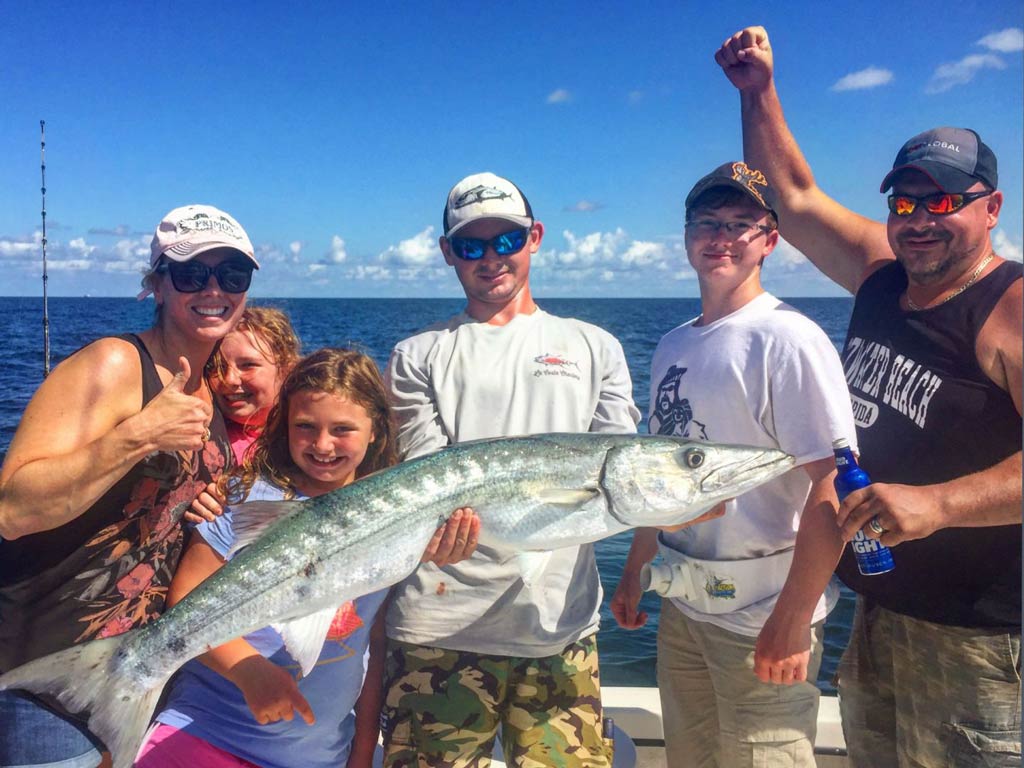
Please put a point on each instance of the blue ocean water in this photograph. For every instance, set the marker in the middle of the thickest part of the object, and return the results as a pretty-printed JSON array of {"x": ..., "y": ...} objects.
[{"x": 375, "y": 325}]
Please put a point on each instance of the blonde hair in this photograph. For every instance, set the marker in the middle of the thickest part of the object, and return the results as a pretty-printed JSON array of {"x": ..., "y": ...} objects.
[
  {"x": 344, "y": 372},
  {"x": 272, "y": 334}
]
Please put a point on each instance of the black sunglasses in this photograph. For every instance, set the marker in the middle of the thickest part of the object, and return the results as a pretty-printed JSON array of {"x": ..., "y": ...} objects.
[
  {"x": 474, "y": 249},
  {"x": 233, "y": 275}
]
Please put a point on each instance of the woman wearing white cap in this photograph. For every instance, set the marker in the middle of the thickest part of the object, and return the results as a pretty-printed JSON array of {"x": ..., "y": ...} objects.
[{"x": 109, "y": 454}]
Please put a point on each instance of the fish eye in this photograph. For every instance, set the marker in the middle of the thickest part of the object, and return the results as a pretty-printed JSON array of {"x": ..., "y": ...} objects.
[{"x": 694, "y": 458}]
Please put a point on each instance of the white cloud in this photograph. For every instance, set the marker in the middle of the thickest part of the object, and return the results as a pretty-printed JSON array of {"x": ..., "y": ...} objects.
[
  {"x": 79, "y": 246},
  {"x": 137, "y": 250},
  {"x": 19, "y": 248},
  {"x": 559, "y": 96},
  {"x": 1006, "y": 247},
  {"x": 872, "y": 77},
  {"x": 314, "y": 268},
  {"x": 1010, "y": 40},
  {"x": 643, "y": 253},
  {"x": 596, "y": 253},
  {"x": 583, "y": 206},
  {"x": 337, "y": 254},
  {"x": 786, "y": 256},
  {"x": 417, "y": 251},
  {"x": 295, "y": 247},
  {"x": 956, "y": 73}
]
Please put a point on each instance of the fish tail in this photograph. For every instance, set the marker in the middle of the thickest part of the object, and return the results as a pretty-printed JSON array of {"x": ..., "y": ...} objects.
[{"x": 85, "y": 677}]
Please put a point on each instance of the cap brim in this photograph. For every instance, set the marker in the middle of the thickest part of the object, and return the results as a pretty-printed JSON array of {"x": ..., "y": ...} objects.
[
  {"x": 179, "y": 257},
  {"x": 522, "y": 221},
  {"x": 942, "y": 176}
]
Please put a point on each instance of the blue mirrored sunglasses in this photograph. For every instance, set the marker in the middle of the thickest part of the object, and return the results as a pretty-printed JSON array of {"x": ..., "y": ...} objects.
[{"x": 474, "y": 249}]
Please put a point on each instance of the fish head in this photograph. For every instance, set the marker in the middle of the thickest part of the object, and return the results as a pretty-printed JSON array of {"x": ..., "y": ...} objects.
[{"x": 665, "y": 481}]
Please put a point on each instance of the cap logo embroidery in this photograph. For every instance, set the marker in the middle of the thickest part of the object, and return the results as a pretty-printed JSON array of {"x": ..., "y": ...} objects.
[
  {"x": 200, "y": 222},
  {"x": 478, "y": 194},
  {"x": 939, "y": 144},
  {"x": 748, "y": 178}
]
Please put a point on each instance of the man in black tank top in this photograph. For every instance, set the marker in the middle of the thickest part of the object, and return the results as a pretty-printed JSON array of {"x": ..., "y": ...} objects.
[{"x": 933, "y": 361}]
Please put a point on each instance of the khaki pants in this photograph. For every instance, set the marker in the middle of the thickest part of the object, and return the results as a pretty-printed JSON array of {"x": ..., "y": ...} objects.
[
  {"x": 919, "y": 695},
  {"x": 717, "y": 713}
]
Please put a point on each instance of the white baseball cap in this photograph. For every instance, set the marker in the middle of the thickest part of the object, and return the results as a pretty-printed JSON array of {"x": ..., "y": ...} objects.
[
  {"x": 485, "y": 196},
  {"x": 190, "y": 230}
]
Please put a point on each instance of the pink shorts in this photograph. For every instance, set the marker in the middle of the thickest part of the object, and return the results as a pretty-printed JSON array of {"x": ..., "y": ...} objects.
[{"x": 168, "y": 747}]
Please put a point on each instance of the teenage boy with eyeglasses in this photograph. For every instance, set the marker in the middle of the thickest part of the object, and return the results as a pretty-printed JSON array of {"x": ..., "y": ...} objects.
[
  {"x": 498, "y": 639},
  {"x": 933, "y": 358},
  {"x": 738, "y": 654}
]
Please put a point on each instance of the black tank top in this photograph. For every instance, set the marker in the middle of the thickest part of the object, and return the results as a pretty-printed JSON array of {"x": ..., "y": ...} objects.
[
  {"x": 927, "y": 413},
  {"x": 107, "y": 570}
]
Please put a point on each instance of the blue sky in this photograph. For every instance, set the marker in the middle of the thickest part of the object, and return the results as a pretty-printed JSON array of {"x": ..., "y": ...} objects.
[{"x": 333, "y": 131}]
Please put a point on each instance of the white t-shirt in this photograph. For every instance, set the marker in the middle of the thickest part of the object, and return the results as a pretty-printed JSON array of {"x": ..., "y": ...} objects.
[
  {"x": 465, "y": 380},
  {"x": 765, "y": 376}
]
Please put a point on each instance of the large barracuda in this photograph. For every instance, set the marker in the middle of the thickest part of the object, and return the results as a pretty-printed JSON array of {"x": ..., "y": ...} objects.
[{"x": 304, "y": 558}]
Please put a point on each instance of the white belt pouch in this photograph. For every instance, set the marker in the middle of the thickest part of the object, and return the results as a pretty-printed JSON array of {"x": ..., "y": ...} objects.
[{"x": 718, "y": 586}]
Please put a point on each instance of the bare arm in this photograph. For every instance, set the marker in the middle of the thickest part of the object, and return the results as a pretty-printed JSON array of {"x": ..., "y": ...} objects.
[
  {"x": 844, "y": 245},
  {"x": 371, "y": 697},
  {"x": 782, "y": 652},
  {"x": 84, "y": 429},
  {"x": 625, "y": 604},
  {"x": 270, "y": 691}
]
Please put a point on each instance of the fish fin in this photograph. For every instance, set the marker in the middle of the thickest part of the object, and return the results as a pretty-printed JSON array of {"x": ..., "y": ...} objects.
[
  {"x": 250, "y": 520},
  {"x": 84, "y": 677},
  {"x": 304, "y": 638},
  {"x": 532, "y": 564},
  {"x": 567, "y": 497}
]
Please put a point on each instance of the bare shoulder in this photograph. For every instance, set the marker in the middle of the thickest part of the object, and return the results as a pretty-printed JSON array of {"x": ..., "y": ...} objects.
[
  {"x": 85, "y": 396},
  {"x": 999, "y": 345}
]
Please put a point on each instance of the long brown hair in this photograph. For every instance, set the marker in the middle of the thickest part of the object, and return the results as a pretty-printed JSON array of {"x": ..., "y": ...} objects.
[{"x": 343, "y": 372}]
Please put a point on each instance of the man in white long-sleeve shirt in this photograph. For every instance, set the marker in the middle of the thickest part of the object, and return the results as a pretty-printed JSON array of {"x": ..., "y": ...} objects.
[{"x": 496, "y": 639}]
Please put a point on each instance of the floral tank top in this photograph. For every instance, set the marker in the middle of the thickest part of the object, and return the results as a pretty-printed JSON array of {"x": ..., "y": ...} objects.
[{"x": 108, "y": 570}]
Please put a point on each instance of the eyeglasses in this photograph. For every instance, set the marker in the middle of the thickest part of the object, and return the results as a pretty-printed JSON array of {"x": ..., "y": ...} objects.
[
  {"x": 708, "y": 227},
  {"x": 233, "y": 275},
  {"x": 938, "y": 204},
  {"x": 474, "y": 249}
]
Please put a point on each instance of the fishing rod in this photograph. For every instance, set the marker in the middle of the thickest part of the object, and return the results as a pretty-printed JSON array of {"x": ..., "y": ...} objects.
[{"x": 46, "y": 313}]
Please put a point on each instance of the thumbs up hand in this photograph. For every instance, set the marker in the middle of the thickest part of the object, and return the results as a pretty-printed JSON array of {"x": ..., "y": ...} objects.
[{"x": 174, "y": 420}]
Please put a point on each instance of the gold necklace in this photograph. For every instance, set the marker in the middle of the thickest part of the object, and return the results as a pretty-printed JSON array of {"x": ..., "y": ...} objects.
[{"x": 974, "y": 276}]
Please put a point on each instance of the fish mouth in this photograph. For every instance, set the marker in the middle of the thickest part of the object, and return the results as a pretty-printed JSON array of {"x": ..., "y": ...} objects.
[{"x": 747, "y": 474}]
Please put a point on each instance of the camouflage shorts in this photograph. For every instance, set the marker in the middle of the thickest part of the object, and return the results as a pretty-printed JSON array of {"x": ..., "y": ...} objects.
[{"x": 443, "y": 708}]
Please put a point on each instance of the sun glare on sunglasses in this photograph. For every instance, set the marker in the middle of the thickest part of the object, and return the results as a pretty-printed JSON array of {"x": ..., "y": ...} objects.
[
  {"x": 505, "y": 244},
  {"x": 233, "y": 275},
  {"x": 938, "y": 204}
]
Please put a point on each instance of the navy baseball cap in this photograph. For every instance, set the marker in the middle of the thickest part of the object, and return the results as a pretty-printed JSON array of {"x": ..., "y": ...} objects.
[
  {"x": 738, "y": 176},
  {"x": 953, "y": 158}
]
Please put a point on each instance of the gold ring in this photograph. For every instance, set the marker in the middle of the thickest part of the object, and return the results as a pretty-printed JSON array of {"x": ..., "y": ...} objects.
[
  {"x": 206, "y": 434},
  {"x": 876, "y": 526}
]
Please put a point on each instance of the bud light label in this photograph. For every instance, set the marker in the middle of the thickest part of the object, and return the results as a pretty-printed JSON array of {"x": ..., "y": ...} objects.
[{"x": 872, "y": 557}]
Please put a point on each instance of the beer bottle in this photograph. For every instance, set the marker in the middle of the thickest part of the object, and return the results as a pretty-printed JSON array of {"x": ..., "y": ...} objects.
[{"x": 872, "y": 556}]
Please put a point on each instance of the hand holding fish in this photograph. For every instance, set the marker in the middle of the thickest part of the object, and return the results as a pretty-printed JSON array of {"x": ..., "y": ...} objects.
[
  {"x": 455, "y": 540},
  {"x": 746, "y": 59},
  {"x": 270, "y": 691},
  {"x": 174, "y": 421},
  {"x": 208, "y": 505}
]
